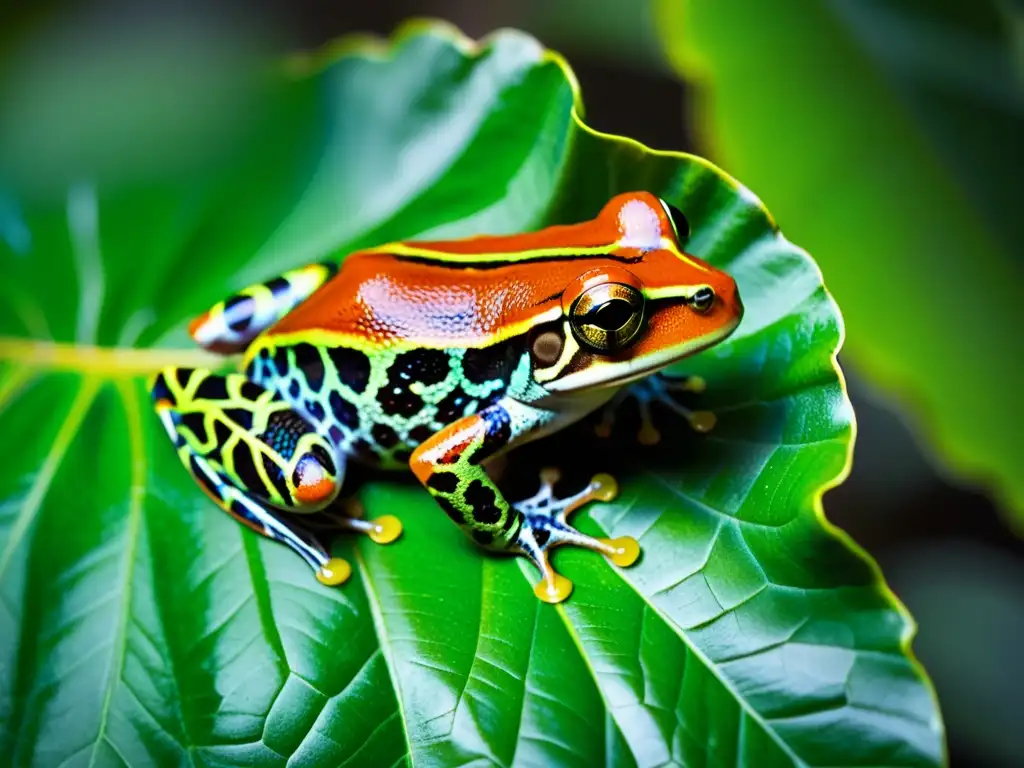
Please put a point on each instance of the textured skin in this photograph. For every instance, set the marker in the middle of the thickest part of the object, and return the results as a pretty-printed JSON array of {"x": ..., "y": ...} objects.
[{"x": 440, "y": 356}]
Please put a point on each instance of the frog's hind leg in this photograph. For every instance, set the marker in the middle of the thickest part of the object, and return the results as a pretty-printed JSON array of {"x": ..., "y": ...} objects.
[
  {"x": 259, "y": 460},
  {"x": 229, "y": 326}
]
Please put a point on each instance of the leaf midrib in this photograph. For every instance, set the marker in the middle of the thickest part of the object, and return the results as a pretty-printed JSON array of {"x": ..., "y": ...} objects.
[
  {"x": 137, "y": 461},
  {"x": 101, "y": 362}
]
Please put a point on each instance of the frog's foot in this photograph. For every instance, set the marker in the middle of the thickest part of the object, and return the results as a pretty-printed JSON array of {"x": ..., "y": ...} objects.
[
  {"x": 381, "y": 530},
  {"x": 659, "y": 388},
  {"x": 545, "y": 526}
]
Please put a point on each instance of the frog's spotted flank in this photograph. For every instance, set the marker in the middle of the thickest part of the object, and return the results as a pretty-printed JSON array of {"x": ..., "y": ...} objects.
[{"x": 439, "y": 357}]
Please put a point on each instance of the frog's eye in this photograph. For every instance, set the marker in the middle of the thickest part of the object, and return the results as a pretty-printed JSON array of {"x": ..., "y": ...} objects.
[
  {"x": 680, "y": 225},
  {"x": 702, "y": 300},
  {"x": 607, "y": 317}
]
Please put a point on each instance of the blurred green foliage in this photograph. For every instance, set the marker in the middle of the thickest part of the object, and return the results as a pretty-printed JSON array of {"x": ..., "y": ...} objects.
[{"x": 885, "y": 137}]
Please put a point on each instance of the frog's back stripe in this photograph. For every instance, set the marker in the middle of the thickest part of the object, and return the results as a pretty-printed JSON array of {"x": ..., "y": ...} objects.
[
  {"x": 409, "y": 252},
  {"x": 230, "y": 325}
]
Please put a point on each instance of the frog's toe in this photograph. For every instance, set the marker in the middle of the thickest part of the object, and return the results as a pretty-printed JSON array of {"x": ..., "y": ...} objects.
[
  {"x": 661, "y": 389},
  {"x": 381, "y": 530},
  {"x": 333, "y": 572},
  {"x": 545, "y": 526}
]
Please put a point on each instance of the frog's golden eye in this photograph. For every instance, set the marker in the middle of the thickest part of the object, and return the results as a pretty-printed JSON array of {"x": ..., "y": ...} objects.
[
  {"x": 702, "y": 300},
  {"x": 680, "y": 225},
  {"x": 607, "y": 317}
]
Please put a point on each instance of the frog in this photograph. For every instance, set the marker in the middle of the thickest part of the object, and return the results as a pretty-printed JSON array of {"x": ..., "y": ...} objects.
[{"x": 440, "y": 357}]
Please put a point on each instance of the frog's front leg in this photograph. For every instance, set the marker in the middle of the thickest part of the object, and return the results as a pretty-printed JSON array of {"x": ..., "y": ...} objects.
[
  {"x": 660, "y": 388},
  {"x": 229, "y": 326},
  {"x": 260, "y": 461},
  {"x": 451, "y": 467}
]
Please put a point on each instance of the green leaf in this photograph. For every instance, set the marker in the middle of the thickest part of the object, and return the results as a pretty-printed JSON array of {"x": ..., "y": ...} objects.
[
  {"x": 885, "y": 139},
  {"x": 143, "y": 626}
]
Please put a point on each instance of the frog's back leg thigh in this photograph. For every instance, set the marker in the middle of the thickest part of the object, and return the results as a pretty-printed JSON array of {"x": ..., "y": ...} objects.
[
  {"x": 229, "y": 326},
  {"x": 258, "y": 460}
]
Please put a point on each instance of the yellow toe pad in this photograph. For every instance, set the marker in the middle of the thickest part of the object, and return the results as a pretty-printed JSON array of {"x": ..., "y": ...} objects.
[
  {"x": 385, "y": 529},
  {"x": 334, "y": 572},
  {"x": 627, "y": 550},
  {"x": 554, "y": 591},
  {"x": 605, "y": 487}
]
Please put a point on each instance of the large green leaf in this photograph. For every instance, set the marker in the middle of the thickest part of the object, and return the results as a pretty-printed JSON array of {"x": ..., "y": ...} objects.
[
  {"x": 885, "y": 137},
  {"x": 143, "y": 626}
]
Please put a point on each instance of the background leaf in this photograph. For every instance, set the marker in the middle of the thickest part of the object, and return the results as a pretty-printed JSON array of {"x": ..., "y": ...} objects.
[
  {"x": 885, "y": 138},
  {"x": 143, "y": 626}
]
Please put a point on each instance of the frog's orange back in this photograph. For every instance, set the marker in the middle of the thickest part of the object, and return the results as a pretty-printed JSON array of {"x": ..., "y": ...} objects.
[{"x": 481, "y": 290}]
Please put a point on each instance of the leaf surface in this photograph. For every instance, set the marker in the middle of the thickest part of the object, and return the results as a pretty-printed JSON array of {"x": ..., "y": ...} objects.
[{"x": 142, "y": 626}]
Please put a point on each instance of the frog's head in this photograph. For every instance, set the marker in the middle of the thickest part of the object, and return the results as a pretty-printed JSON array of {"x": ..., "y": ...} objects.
[{"x": 641, "y": 306}]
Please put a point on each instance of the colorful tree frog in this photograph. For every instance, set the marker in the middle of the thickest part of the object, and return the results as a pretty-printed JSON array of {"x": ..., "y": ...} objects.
[{"x": 439, "y": 357}]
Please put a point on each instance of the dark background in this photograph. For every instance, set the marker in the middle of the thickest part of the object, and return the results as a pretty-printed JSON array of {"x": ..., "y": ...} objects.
[{"x": 944, "y": 549}]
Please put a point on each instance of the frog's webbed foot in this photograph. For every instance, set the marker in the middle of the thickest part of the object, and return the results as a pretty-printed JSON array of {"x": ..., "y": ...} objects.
[
  {"x": 661, "y": 388},
  {"x": 545, "y": 526}
]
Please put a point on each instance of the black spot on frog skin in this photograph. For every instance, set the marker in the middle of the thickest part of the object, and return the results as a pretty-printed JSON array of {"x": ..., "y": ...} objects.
[
  {"x": 251, "y": 391},
  {"x": 294, "y": 390},
  {"x": 397, "y": 400},
  {"x": 353, "y": 367},
  {"x": 221, "y": 432},
  {"x": 278, "y": 286},
  {"x": 183, "y": 375},
  {"x": 212, "y": 387},
  {"x": 241, "y": 416},
  {"x": 384, "y": 436},
  {"x": 246, "y": 470},
  {"x": 453, "y": 406},
  {"x": 335, "y": 434},
  {"x": 482, "y": 500},
  {"x": 541, "y": 536},
  {"x": 418, "y": 366},
  {"x": 276, "y": 477},
  {"x": 281, "y": 362},
  {"x": 314, "y": 409},
  {"x": 420, "y": 434},
  {"x": 427, "y": 366},
  {"x": 497, "y": 434},
  {"x": 309, "y": 361},
  {"x": 493, "y": 363},
  {"x": 345, "y": 412},
  {"x": 238, "y": 312},
  {"x": 196, "y": 424},
  {"x": 445, "y": 482}
]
